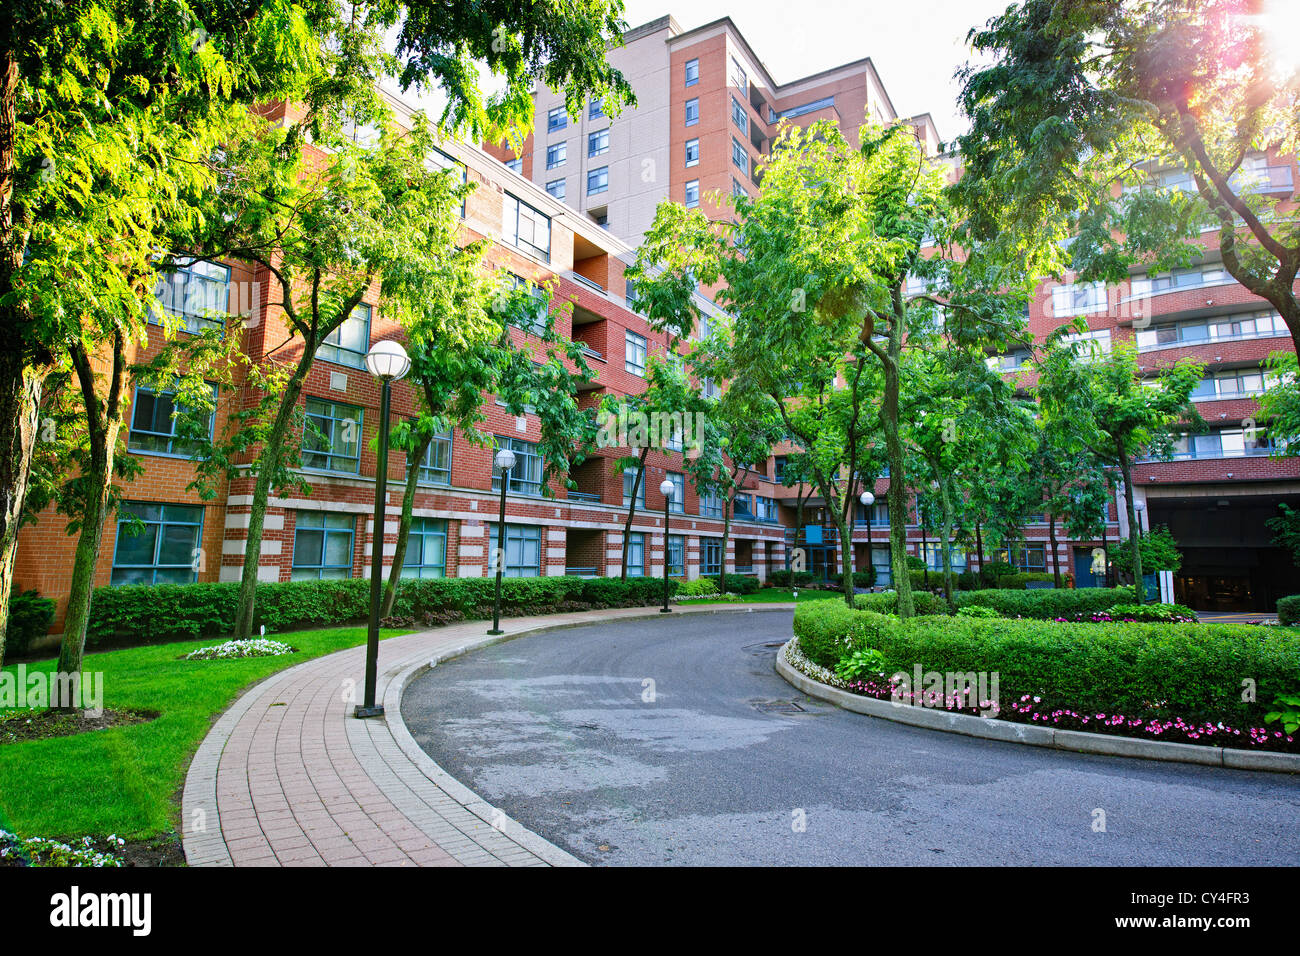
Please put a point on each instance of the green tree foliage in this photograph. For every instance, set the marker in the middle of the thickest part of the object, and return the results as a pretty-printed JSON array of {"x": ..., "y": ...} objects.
[{"x": 1110, "y": 412}]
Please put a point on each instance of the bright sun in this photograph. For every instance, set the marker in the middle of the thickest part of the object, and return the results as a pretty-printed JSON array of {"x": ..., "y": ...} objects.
[{"x": 1281, "y": 25}]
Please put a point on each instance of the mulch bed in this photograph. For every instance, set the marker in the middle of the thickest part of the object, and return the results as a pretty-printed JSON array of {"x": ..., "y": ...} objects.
[{"x": 41, "y": 724}]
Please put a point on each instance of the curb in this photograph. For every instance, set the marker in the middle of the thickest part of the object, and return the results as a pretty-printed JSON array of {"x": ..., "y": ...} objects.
[{"x": 1075, "y": 741}]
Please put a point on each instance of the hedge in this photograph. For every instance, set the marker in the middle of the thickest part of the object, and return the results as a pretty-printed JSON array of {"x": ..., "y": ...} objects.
[
  {"x": 1288, "y": 609},
  {"x": 1046, "y": 604},
  {"x": 171, "y": 611},
  {"x": 29, "y": 619},
  {"x": 1193, "y": 671},
  {"x": 886, "y": 602}
]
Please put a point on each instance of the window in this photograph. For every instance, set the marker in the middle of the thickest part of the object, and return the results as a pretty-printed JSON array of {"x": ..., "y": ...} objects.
[
  {"x": 934, "y": 557},
  {"x": 441, "y": 160},
  {"x": 515, "y": 165},
  {"x": 535, "y": 320},
  {"x": 711, "y": 505},
  {"x": 739, "y": 155},
  {"x": 332, "y": 437},
  {"x": 737, "y": 189},
  {"x": 678, "y": 504},
  {"x": 778, "y": 467},
  {"x": 426, "y": 549},
  {"x": 596, "y": 109},
  {"x": 322, "y": 546},
  {"x": 739, "y": 116},
  {"x": 692, "y": 111},
  {"x": 629, "y": 480},
  {"x": 598, "y": 142},
  {"x": 527, "y": 228},
  {"x": 153, "y": 424},
  {"x": 737, "y": 77},
  {"x": 197, "y": 293},
  {"x": 597, "y": 180},
  {"x": 1006, "y": 363},
  {"x": 676, "y": 555},
  {"x": 805, "y": 108},
  {"x": 692, "y": 152},
  {"x": 635, "y": 554},
  {"x": 556, "y": 119},
  {"x": 741, "y": 507},
  {"x": 1191, "y": 278},
  {"x": 1247, "y": 325},
  {"x": 634, "y": 352},
  {"x": 349, "y": 343},
  {"x": 435, "y": 466},
  {"x": 629, "y": 292},
  {"x": 1079, "y": 299},
  {"x": 711, "y": 556},
  {"x": 692, "y": 72},
  {"x": 165, "y": 551},
  {"x": 556, "y": 188},
  {"x": 884, "y": 569},
  {"x": 1088, "y": 345},
  {"x": 523, "y": 550},
  {"x": 526, "y": 476},
  {"x": 693, "y": 194},
  {"x": 764, "y": 508},
  {"x": 1238, "y": 383},
  {"x": 556, "y": 154},
  {"x": 710, "y": 389}
]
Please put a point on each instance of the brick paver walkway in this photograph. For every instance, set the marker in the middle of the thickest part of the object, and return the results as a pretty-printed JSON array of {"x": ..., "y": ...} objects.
[{"x": 287, "y": 777}]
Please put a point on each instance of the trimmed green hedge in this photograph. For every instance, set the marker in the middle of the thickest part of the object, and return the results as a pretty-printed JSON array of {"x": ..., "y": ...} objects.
[
  {"x": 1192, "y": 671},
  {"x": 740, "y": 583},
  {"x": 172, "y": 611},
  {"x": 886, "y": 602},
  {"x": 1288, "y": 609},
  {"x": 1046, "y": 604},
  {"x": 29, "y": 619}
]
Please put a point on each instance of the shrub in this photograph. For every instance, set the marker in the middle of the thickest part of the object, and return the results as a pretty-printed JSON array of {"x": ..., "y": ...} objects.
[
  {"x": 743, "y": 583},
  {"x": 914, "y": 563},
  {"x": 865, "y": 578},
  {"x": 700, "y": 587},
  {"x": 29, "y": 619},
  {"x": 977, "y": 610},
  {"x": 172, "y": 611},
  {"x": 1019, "y": 580},
  {"x": 1191, "y": 671},
  {"x": 1151, "y": 612},
  {"x": 923, "y": 602},
  {"x": 1045, "y": 604},
  {"x": 779, "y": 579},
  {"x": 860, "y": 662},
  {"x": 1288, "y": 610}
]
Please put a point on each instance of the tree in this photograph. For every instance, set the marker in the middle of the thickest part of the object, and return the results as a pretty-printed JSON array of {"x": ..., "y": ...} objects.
[
  {"x": 1157, "y": 551},
  {"x": 1084, "y": 97},
  {"x": 818, "y": 273},
  {"x": 1107, "y": 409},
  {"x": 111, "y": 109},
  {"x": 1286, "y": 530}
]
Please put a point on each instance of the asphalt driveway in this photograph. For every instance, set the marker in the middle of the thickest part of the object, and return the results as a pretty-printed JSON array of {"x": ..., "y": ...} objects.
[{"x": 673, "y": 741}]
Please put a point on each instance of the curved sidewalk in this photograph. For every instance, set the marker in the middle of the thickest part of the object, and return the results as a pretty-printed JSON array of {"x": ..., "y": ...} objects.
[{"x": 287, "y": 777}]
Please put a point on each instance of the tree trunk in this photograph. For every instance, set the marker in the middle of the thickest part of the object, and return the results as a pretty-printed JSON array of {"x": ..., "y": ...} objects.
[
  {"x": 897, "y": 494},
  {"x": 631, "y": 511},
  {"x": 846, "y": 562},
  {"x": 979, "y": 550},
  {"x": 270, "y": 457},
  {"x": 726, "y": 535},
  {"x": 1139, "y": 589},
  {"x": 20, "y": 399},
  {"x": 948, "y": 582},
  {"x": 413, "y": 458},
  {"x": 1056, "y": 554}
]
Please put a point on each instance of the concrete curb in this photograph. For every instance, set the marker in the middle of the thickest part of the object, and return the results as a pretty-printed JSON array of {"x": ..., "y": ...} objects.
[{"x": 1035, "y": 736}]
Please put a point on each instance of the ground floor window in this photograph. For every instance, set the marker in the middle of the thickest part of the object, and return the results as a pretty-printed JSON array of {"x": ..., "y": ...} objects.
[
  {"x": 934, "y": 557},
  {"x": 523, "y": 557},
  {"x": 322, "y": 546},
  {"x": 676, "y": 554},
  {"x": 884, "y": 570},
  {"x": 426, "y": 549},
  {"x": 711, "y": 556},
  {"x": 635, "y": 554},
  {"x": 157, "y": 544},
  {"x": 1028, "y": 557}
]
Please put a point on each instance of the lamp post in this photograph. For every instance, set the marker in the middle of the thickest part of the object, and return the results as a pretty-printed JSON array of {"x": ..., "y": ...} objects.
[
  {"x": 868, "y": 499},
  {"x": 1138, "y": 508},
  {"x": 666, "y": 488},
  {"x": 505, "y": 461},
  {"x": 388, "y": 362}
]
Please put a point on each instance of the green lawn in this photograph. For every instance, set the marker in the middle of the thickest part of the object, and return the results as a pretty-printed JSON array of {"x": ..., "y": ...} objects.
[
  {"x": 768, "y": 596},
  {"x": 127, "y": 780}
]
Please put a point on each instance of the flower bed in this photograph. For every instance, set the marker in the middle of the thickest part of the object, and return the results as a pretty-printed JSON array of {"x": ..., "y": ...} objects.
[
  {"x": 233, "y": 650},
  {"x": 1165, "y": 681},
  {"x": 40, "y": 851}
]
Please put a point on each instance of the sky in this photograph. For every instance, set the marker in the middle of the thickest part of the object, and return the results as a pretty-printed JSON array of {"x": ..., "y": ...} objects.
[{"x": 916, "y": 45}]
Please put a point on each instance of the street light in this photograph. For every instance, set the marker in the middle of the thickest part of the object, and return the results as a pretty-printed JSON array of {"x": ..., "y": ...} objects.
[
  {"x": 388, "y": 362},
  {"x": 505, "y": 461},
  {"x": 666, "y": 488},
  {"x": 868, "y": 499}
]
